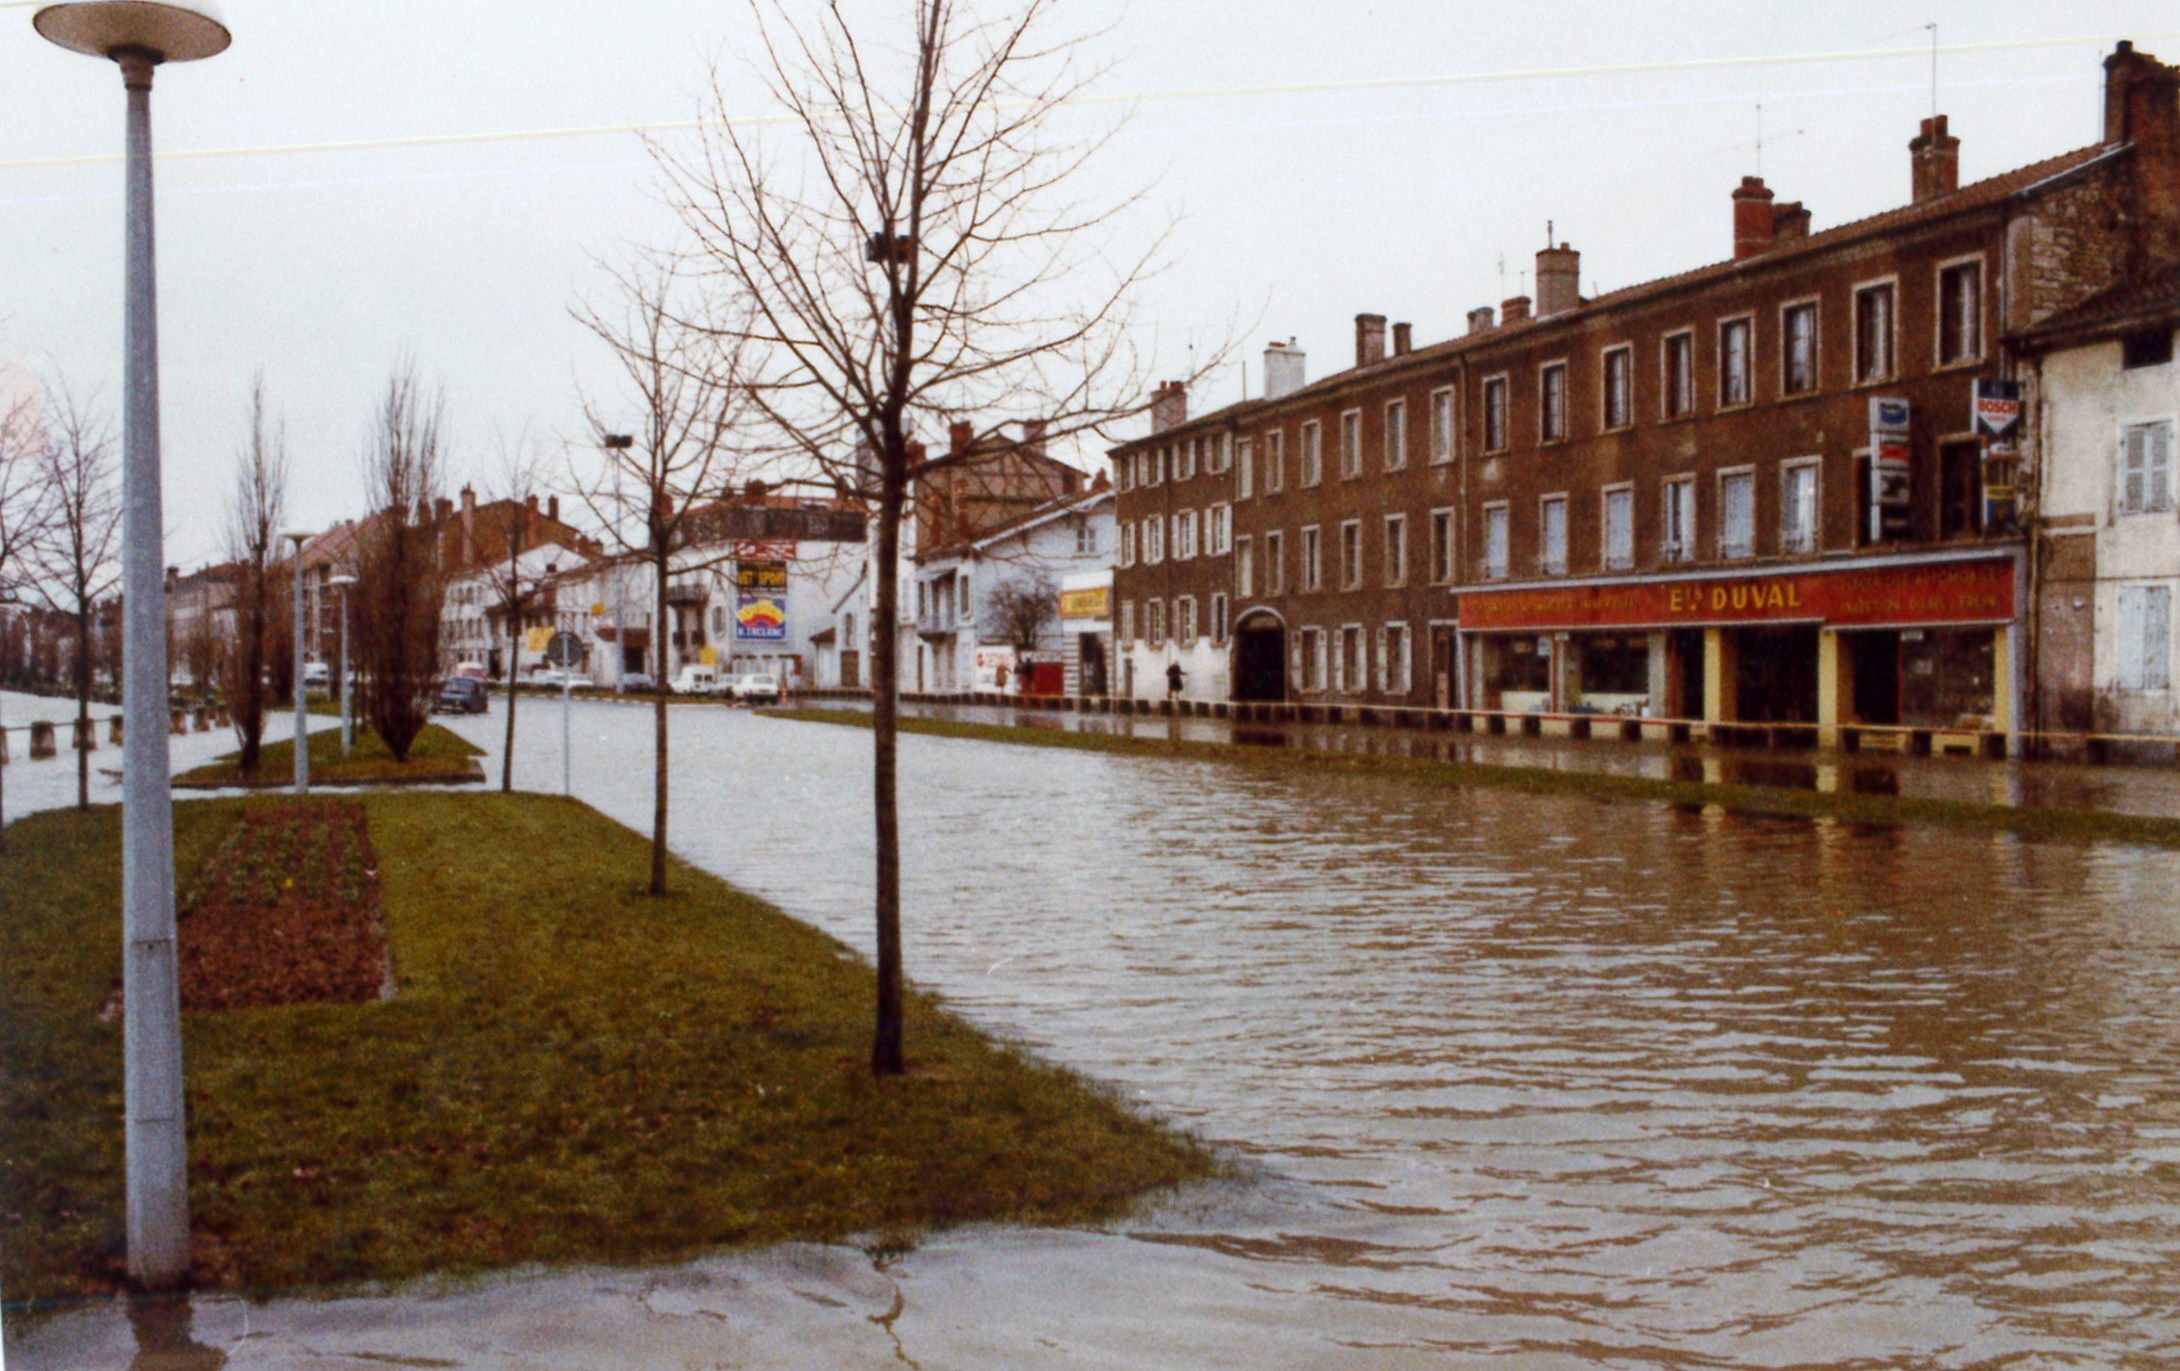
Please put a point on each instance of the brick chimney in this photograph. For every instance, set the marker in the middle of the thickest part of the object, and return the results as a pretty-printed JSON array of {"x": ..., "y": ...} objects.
[
  {"x": 1369, "y": 339},
  {"x": 1514, "y": 309},
  {"x": 1169, "y": 406},
  {"x": 1752, "y": 219},
  {"x": 1286, "y": 369},
  {"x": 1479, "y": 319},
  {"x": 2139, "y": 96},
  {"x": 1403, "y": 339},
  {"x": 552, "y": 508},
  {"x": 1789, "y": 223},
  {"x": 1559, "y": 280},
  {"x": 1934, "y": 160},
  {"x": 959, "y": 435},
  {"x": 442, "y": 509}
]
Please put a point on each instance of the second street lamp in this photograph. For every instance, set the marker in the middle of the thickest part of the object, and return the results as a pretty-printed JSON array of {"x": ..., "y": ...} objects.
[
  {"x": 298, "y": 537},
  {"x": 348, "y": 714}
]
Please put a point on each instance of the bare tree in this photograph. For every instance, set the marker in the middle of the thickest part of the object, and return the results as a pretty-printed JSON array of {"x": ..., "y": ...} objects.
[
  {"x": 400, "y": 582},
  {"x": 680, "y": 368},
  {"x": 254, "y": 516},
  {"x": 1023, "y": 607},
  {"x": 25, "y": 504},
  {"x": 909, "y": 250},
  {"x": 73, "y": 563},
  {"x": 517, "y": 482}
]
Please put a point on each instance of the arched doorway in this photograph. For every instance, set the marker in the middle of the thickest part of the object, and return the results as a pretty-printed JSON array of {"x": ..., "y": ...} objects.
[{"x": 1260, "y": 657}]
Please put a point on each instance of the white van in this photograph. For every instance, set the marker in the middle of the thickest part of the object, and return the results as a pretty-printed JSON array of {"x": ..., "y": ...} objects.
[{"x": 697, "y": 680}]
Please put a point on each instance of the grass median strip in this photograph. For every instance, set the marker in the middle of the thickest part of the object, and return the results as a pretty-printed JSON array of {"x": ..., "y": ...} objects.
[
  {"x": 437, "y": 757},
  {"x": 567, "y": 1070},
  {"x": 1736, "y": 798}
]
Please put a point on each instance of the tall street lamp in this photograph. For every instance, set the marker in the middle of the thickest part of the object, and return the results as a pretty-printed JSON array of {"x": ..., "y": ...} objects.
[
  {"x": 618, "y": 443},
  {"x": 298, "y": 537},
  {"x": 139, "y": 35},
  {"x": 348, "y": 714}
]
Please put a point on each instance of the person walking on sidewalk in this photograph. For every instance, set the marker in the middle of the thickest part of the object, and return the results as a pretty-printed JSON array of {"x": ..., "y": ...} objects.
[{"x": 1173, "y": 681}]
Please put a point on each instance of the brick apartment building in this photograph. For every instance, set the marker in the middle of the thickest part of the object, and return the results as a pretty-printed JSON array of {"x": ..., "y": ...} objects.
[{"x": 1660, "y": 501}]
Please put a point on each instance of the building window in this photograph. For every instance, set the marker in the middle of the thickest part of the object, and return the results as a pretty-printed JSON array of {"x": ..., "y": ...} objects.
[
  {"x": 1313, "y": 560},
  {"x": 1155, "y": 614},
  {"x": 1184, "y": 535},
  {"x": 1124, "y": 472},
  {"x": 1275, "y": 563},
  {"x": 961, "y": 589},
  {"x": 2145, "y": 468},
  {"x": 1680, "y": 375},
  {"x": 1396, "y": 435},
  {"x": 1960, "y": 489},
  {"x": 1737, "y": 514},
  {"x": 1798, "y": 353},
  {"x": 1313, "y": 454},
  {"x": 1221, "y": 535},
  {"x": 1127, "y": 544},
  {"x": 1313, "y": 659},
  {"x": 1733, "y": 362},
  {"x": 1351, "y": 445},
  {"x": 1275, "y": 462},
  {"x": 1154, "y": 540},
  {"x": 1619, "y": 387},
  {"x": 1960, "y": 313},
  {"x": 1679, "y": 541},
  {"x": 1155, "y": 467},
  {"x": 1218, "y": 619},
  {"x": 1348, "y": 669},
  {"x": 1127, "y": 621},
  {"x": 1398, "y": 660},
  {"x": 1184, "y": 459},
  {"x": 1086, "y": 539},
  {"x": 1620, "y": 528},
  {"x": 1798, "y": 507},
  {"x": 1351, "y": 571},
  {"x": 2152, "y": 348},
  {"x": 1552, "y": 560},
  {"x": 1222, "y": 452},
  {"x": 1396, "y": 549},
  {"x": 1873, "y": 332},
  {"x": 1442, "y": 426},
  {"x": 1184, "y": 620},
  {"x": 1245, "y": 569},
  {"x": 1245, "y": 469},
  {"x": 1441, "y": 547},
  {"x": 1495, "y": 543},
  {"x": 1495, "y": 414},
  {"x": 1552, "y": 402},
  {"x": 2145, "y": 639}
]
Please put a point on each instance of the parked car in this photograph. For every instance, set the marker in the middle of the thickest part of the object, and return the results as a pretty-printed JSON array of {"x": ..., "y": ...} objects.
[
  {"x": 638, "y": 682},
  {"x": 317, "y": 676},
  {"x": 461, "y": 695},
  {"x": 697, "y": 680},
  {"x": 758, "y": 688},
  {"x": 473, "y": 670}
]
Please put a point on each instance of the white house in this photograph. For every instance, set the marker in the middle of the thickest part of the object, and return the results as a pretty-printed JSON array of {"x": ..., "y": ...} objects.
[
  {"x": 979, "y": 603},
  {"x": 2106, "y": 393}
]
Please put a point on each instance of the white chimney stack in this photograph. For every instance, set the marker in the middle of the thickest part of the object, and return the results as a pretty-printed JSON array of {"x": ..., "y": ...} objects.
[{"x": 1286, "y": 369}]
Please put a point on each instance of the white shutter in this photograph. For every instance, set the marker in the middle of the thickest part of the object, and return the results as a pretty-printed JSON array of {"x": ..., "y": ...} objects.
[
  {"x": 2160, "y": 464},
  {"x": 2129, "y": 650},
  {"x": 2157, "y": 637}
]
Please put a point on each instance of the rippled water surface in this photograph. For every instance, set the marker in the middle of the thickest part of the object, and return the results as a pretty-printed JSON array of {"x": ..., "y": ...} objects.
[{"x": 1520, "y": 1080}]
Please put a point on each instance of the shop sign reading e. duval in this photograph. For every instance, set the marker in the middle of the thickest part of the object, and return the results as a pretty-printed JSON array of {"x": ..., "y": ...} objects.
[{"x": 1965, "y": 592}]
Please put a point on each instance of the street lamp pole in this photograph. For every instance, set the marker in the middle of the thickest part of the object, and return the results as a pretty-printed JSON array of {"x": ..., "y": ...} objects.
[
  {"x": 139, "y": 35},
  {"x": 617, "y": 443},
  {"x": 297, "y": 538},
  {"x": 348, "y": 713}
]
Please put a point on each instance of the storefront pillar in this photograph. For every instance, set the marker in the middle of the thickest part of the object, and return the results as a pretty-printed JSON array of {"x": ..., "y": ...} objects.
[
  {"x": 1835, "y": 685},
  {"x": 1718, "y": 676},
  {"x": 2004, "y": 686}
]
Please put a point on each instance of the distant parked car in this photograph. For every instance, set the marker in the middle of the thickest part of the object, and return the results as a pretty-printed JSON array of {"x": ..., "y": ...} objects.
[
  {"x": 461, "y": 695},
  {"x": 758, "y": 688},
  {"x": 697, "y": 680},
  {"x": 317, "y": 676},
  {"x": 638, "y": 682}
]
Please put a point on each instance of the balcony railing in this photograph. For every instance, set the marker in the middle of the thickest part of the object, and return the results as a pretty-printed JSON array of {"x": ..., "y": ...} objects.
[{"x": 691, "y": 590}]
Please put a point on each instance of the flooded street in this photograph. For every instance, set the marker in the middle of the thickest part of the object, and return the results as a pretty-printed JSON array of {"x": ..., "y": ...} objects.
[{"x": 1517, "y": 1080}]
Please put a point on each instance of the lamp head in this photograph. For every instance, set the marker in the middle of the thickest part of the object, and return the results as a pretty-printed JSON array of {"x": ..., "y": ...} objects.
[
  {"x": 342, "y": 581},
  {"x": 297, "y": 536},
  {"x": 106, "y": 28}
]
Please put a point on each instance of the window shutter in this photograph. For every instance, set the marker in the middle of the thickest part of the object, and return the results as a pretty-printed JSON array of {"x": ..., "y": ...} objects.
[
  {"x": 2160, "y": 467},
  {"x": 2131, "y": 649},
  {"x": 1383, "y": 676},
  {"x": 2157, "y": 638}
]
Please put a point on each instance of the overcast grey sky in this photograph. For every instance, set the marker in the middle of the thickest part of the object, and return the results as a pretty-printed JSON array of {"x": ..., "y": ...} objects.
[{"x": 1393, "y": 180}]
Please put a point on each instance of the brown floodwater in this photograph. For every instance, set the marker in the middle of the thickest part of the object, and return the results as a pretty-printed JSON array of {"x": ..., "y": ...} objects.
[{"x": 1516, "y": 1080}]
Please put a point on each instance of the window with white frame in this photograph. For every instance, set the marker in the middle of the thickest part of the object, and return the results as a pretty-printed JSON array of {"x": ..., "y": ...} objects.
[
  {"x": 2145, "y": 468},
  {"x": 1734, "y": 344},
  {"x": 1124, "y": 473},
  {"x": 1874, "y": 332},
  {"x": 1441, "y": 547},
  {"x": 1218, "y": 619},
  {"x": 1552, "y": 402},
  {"x": 1495, "y": 542},
  {"x": 1737, "y": 514},
  {"x": 1347, "y": 668},
  {"x": 1127, "y": 621},
  {"x": 1442, "y": 426},
  {"x": 1960, "y": 312},
  {"x": 1351, "y": 571},
  {"x": 1127, "y": 544},
  {"x": 1396, "y": 549},
  {"x": 1677, "y": 540},
  {"x": 2144, "y": 641},
  {"x": 1495, "y": 414},
  {"x": 1222, "y": 453},
  {"x": 1184, "y": 620},
  {"x": 1313, "y": 560},
  {"x": 1275, "y": 461},
  {"x": 1221, "y": 536},
  {"x": 1798, "y": 487},
  {"x": 1399, "y": 655},
  {"x": 1245, "y": 569},
  {"x": 1154, "y": 540},
  {"x": 1798, "y": 348},
  {"x": 1275, "y": 563},
  {"x": 1396, "y": 434},
  {"x": 1313, "y": 659},
  {"x": 1155, "y": 622},
  {"x": 1552, "y": 523},
  {"x": 1086, "y": 539},
  {"x": 1619, "y": 381},
  {"x": 1185, "y": 454},
  {"x": 1245, "y": 469},
  {"x": 1351, "y": 444},
  {"x": 1620, "y": 528},
  {"x": 1679, "y": 364},
  {"x": 1313, "y": 454},
  {"x": 1184, "y": 535},
  {"x": 1155, "y": 466}
]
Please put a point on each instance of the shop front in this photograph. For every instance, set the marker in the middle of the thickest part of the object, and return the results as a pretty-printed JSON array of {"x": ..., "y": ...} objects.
[{"x": 1911, "y": 643}]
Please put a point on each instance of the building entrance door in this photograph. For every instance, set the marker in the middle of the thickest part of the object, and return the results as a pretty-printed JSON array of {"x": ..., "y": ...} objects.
[
  {"x": 1444, "y": 672},
  {"x": 1685, "y": 648},
  {"x": 1876, "y": 676},
  {"x": 1776, "y": 675},
  {"x": 1091, "y": 654},
  {"x": 1260, "y": 659}
]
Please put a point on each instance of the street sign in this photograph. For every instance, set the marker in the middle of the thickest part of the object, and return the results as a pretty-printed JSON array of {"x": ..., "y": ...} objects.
[
  {"x": 1997, "y": 409},
  {"x": 1888, "y": 414},
  {"x": 564, "y": 650},
  {"x": 1890, "y": 483}
]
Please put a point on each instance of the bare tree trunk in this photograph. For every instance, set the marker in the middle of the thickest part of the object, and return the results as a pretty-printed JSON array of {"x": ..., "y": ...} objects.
[
  {"x": 514, "y": 659},
  {"x": 658, "y": 722},
  {"x": 83, "y": 698},
  {"x": 886, "y": 1052}
]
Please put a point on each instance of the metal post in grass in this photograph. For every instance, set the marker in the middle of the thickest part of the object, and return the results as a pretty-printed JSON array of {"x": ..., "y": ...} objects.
[
  {"x": 298, "y": 537},
  {"x": 139, "y": 35},
  {"x": 348, "y": 713}
]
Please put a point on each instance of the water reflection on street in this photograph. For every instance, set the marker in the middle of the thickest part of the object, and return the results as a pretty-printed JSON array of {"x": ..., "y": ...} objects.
[{"x": 1525, "y": 1080}]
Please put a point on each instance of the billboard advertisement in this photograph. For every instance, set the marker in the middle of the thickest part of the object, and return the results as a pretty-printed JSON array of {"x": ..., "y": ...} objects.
[{"x": 760, "y": 602}]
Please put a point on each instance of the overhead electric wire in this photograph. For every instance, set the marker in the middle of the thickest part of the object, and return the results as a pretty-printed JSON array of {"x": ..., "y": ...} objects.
[{"x": 1130, "y": 99}]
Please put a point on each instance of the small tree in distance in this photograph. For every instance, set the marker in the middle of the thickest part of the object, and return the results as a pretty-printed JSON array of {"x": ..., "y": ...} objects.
[
  {"x": 400, "y": 583},
  {"x": 1024, "y": 607},
  {"x": 73, "y": 561},
  {"x": 517, "y": 483},
  {"x": 253, "y": 545}
]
